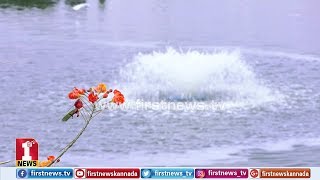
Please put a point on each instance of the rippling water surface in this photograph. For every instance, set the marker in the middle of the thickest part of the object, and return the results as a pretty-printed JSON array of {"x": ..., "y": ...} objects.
[{"x": 259, "y": 59}]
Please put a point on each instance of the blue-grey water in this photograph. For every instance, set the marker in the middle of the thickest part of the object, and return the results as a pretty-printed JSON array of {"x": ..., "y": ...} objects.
[{"x": 261, "y": 58}]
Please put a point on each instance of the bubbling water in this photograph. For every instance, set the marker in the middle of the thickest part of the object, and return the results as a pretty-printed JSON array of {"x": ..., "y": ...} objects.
[{"x": 191, "y": 75}]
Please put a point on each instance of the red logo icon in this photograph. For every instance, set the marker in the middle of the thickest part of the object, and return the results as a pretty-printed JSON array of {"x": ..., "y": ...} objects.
[
  {"x": 254, "y": 173},
  {"x": 79, "y": 173},
  {"x": 27, "y": 152}
]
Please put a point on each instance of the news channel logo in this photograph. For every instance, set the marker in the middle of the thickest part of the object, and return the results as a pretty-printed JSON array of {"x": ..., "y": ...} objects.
[
  {"x": 27, "y": 152},
  {"x": 21, "y": 173}
]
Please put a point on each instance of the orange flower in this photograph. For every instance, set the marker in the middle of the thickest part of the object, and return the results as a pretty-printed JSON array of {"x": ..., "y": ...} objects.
[
  {"x": 92, "y": 97},
  {"x": 50, "y": 158},
  {"x": 44, "y": 163},
  {"x": 76, "y": 93},
  {"x": 101, "y": 88},
  {"x": 73, "y": 95},
  {"x": 49, "y": 161},
  {"x": 118, "y": 98}
]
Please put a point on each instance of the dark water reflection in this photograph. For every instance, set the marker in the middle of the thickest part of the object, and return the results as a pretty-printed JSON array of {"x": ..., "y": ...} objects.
[
  {"x": 41, "y": 4},
  {"x": 21, "y": 4},
  {"x": 74, "y": 2}
]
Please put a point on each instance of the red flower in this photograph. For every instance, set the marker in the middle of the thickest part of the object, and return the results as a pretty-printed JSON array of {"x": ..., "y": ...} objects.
[
  {"x": 118, "y": 98},
  {"x": 92, "y": 97},
  {"x": 116, "y": 92},
  {"x": 51, "y": 158},
  {"x": 78, "y": 104},
  {"x": 80, "y": 91}
]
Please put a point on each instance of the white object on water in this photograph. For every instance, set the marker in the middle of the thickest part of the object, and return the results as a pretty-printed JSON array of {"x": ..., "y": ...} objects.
[{"x": 80, "y": 6}]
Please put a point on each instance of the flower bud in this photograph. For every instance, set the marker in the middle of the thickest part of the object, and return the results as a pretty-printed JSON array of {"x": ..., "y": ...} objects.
[{"x": 78, "y": 104}]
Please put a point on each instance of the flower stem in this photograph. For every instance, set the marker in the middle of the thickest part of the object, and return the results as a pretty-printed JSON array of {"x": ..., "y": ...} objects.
[
  {"x": 76, "y": 138},
  {"x": 4, "y": 162}
]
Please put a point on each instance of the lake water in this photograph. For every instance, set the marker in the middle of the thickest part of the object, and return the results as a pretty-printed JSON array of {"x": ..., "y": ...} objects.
[{"x": 261, "y": 60}]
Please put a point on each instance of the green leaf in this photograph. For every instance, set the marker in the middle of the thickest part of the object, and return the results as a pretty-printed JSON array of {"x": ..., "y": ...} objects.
[{"x": 69, "y": 115}]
